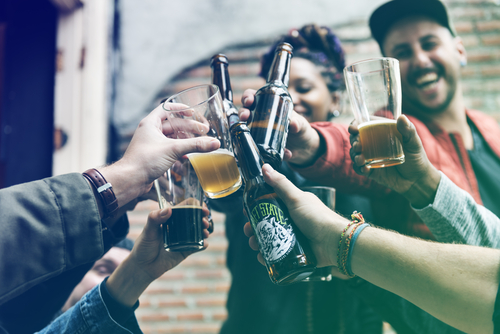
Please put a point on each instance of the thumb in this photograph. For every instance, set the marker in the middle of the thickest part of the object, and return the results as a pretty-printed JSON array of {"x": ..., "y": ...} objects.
[
  {"x": 192, "y": 145},
  {"x": 155, "y": 219},
  {"x": 411, "y": 140},
  {"x": 283, "y": 187}
]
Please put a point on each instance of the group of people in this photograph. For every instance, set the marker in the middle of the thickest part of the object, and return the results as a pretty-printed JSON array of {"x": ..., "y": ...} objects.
[{"x": 447, "y": 191}]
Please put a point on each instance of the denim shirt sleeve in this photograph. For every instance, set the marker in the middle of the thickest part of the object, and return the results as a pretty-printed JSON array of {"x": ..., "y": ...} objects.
[{"x": 91, "y": 315}]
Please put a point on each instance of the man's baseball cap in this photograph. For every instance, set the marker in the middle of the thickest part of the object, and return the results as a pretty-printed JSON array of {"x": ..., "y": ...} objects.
[{"x": 383, "y": 18}]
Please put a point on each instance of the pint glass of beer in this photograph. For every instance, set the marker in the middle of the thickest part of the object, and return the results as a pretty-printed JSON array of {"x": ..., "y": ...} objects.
[
  {"x": 181, "y": 190},
  {"x": 374, "y": 87},
  {"x": 196, "y": 108},
  {"x": 327, "y": 196}
]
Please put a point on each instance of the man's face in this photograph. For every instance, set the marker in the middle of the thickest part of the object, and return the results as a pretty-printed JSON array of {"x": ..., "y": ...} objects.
[
  {"x": 102, "y": 268},
  {"x": 429, "y": 58}
]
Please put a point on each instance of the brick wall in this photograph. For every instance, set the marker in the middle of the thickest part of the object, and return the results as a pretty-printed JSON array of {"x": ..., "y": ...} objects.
[{"x": 191, "y": 298}]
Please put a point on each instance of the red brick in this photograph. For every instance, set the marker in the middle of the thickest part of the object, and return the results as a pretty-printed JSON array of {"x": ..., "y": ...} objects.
[
  {"x": 159, "y": 290},
  {"x": 222, "y": 287},
  {"x": 211, "y": 302},
  {"x": 172, "y": 329},
  {"x": 155, "y": 317},
  {"x": 173, "y": 275},
  {"x": 463, "y": 27},
  {"x": 190, "y": 316},
  {"x": 491, "y": 39},
  {"x": 219, "y": 316},
  {"x": 198, "y": 261},
  {"x": 468, "y": 71},
  {"x": 144, "y": 301},
  {"x": 488, "y": 25},
  {"x": 490, "y": 71},
  {"x": 209, "y": 274},
  {"x": 172, "y": 303},
  {"x": 195, "y": 289},
  {"x": 468, "y": 12},
  {"x": 480, "y": 56},
  {"x": 470, "y": 40},
  {"x": 205, "y": 328}
]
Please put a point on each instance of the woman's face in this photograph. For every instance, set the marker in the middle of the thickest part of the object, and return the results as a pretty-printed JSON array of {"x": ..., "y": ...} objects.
[{"x": 310, "y": 95}]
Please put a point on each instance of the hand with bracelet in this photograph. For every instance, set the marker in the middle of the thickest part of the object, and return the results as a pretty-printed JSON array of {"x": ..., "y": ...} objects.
[
  {"x": 429, "y": 274},
  {"x": 149, "y": 154}
]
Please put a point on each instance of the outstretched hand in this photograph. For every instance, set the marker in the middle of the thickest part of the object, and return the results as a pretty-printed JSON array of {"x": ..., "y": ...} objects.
[
  {"x": 320, "y": 225},
  {"x": 150, "y": 152},
  {"x": 416, "y": 179}
]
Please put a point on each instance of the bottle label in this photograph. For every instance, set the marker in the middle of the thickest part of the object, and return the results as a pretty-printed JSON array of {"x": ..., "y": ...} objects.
[{"x": 275, "y": 236}]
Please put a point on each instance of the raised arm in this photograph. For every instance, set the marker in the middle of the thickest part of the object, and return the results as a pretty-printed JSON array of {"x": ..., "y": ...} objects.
[
  {"x": 451, "y": 213},
  {"x": 455, "y": 283}
]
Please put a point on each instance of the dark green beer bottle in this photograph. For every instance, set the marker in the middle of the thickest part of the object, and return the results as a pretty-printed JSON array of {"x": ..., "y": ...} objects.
[
  {"x": 273, "y": 105},
  {"x": 285, "y": 250}
]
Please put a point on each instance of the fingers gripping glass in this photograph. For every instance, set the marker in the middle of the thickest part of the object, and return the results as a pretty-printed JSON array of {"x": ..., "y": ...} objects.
[
  {"x": 374, "y": 88},
  {"x": 198, "y": 111},
  {"x": 327, "y": 196}
]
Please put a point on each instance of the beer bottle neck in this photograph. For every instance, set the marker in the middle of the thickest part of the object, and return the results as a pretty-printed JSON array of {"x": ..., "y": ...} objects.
[
  {"x": 220, "y": 77},
  {"x": 280, "y": 68},
  {"x": 246, "y": 152}
]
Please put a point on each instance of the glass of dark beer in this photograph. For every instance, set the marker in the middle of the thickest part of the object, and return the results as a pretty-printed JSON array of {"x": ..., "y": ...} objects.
[
  {"x": 217, "y": 171},
  {"x": 327, "y": 196},
  {"x": 183, "y": 231},
  {"x": 374, "y": 88}
]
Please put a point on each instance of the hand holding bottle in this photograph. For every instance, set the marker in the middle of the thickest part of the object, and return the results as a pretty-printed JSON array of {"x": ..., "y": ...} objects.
[
  {"x": 320, "y": 225},
  {"x": 303, "y": 143}
]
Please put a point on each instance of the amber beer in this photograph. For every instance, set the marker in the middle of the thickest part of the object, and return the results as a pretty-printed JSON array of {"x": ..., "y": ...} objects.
[
  {"x": 183, "y": 230},
  {"x": 381, "y": 143},
  {"x": 286, "y": 252},
  {"x": 273, "y": 105},
  {"x": 217, "y": 172}
]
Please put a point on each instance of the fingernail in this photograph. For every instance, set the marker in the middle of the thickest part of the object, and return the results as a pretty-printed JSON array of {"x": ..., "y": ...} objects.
[
  {"x": 245, "y": 99},
  {"x": 164, "y": 212}
]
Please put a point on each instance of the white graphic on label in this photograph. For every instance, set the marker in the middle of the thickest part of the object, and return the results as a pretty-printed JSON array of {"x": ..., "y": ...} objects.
[{"x": 275, "y": 240}]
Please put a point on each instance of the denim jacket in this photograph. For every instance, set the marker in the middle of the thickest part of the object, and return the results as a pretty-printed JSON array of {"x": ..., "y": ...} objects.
[{"x": 96, "y": 313}]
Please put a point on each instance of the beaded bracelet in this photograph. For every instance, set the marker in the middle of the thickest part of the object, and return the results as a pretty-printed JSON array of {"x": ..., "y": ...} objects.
[
  {"x": 353, "y": 240},
  {"x": 357, "y": 218}
]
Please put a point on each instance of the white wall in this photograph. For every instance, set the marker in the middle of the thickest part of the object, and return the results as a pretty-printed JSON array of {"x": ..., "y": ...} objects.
[{"x": 160, "y": 37}]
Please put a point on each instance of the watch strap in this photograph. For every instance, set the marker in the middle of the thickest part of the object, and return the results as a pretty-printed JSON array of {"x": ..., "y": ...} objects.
[{"x": 105, "y": 190}]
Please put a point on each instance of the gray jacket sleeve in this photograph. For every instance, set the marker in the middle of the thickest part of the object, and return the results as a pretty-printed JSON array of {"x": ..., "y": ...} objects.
[
  {"x": 47, "y": 227},
  {"x": 455, "y": 217}
]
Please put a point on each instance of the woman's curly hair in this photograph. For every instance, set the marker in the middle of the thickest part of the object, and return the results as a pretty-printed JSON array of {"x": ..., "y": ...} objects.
[{"x": 318, "y": 45}]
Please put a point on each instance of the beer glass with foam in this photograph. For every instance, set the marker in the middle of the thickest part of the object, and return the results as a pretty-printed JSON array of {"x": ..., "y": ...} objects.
[
  {"x": 200, "y": 111},
  {"x": 374, "y": 88}
]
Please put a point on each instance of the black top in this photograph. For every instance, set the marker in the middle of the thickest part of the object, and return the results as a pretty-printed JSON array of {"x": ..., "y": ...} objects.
[{"x": 486, "y": 165}]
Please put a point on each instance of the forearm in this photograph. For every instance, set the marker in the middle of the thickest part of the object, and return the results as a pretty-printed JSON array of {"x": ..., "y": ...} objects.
[
  {"x": 454, "y": 216},
  {"x": 455, "y": 283},
  {"x": 127, "y": 283}
]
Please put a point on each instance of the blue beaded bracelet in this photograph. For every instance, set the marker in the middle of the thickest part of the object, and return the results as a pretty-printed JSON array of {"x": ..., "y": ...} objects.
[{"x": 353, "y": 240}]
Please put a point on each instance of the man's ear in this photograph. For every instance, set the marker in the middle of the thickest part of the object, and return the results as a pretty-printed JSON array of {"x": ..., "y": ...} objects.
[{"x": 462, "y": 53}]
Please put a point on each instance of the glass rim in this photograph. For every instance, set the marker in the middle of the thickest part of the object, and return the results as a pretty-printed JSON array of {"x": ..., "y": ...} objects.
[
  {"x": 189, "y": 89},
  {"x": 348, "y": 68}
]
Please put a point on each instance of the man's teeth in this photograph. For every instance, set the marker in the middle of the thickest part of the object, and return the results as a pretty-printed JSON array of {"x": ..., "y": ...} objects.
[{"x": 427, "y": 78}]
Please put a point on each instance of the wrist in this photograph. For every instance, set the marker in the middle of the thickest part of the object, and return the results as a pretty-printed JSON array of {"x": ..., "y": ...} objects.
[
  {"x": 127, "y": 186},
  {"x": 127, "y": 283},
  {"x": 423, "y": 191},
  {"x": 312, "y": 149}
]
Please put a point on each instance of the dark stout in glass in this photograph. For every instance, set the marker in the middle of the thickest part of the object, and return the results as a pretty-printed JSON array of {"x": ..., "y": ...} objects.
[
  {"x": 183, "y": 230},
  {"x": 285, "y": 250},
  {"x": 273, "y": 105}
]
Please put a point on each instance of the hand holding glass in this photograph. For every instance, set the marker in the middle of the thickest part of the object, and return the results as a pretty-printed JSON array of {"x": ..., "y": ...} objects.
[
  {"x": 327, "y": 196},
  {"x": 374, "y": 88},
  {"x": 195, "y": 108}
]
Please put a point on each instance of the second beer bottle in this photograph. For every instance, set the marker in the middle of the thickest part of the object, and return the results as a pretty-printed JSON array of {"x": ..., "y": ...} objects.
[
  {"x": 273, "y": 105},
  {"x": 286, "y": 252}
]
